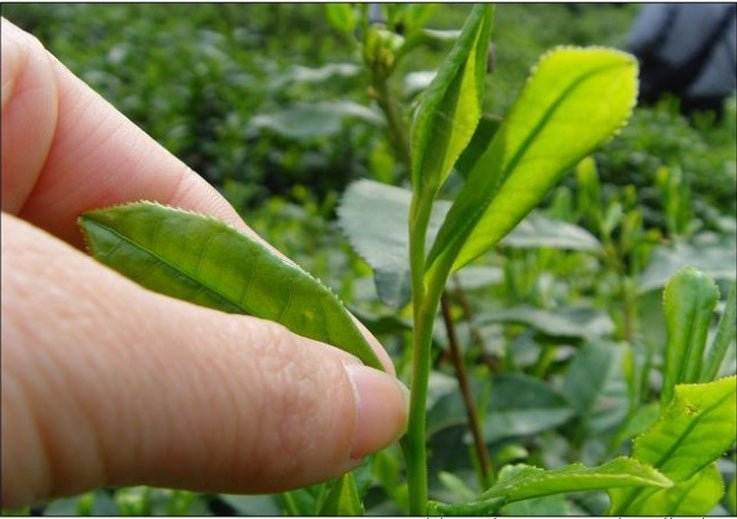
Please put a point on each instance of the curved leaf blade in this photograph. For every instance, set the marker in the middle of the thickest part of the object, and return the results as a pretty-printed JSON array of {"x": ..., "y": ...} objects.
[
  {"x": 204, "y": 261},
  {"x": 575, "y": 100},
  {"x": 450, "y": 108},
  {"x": 689, "y": 300},
  {"x": 518, "y": 482},
  {"x": 694, "y": 430}
]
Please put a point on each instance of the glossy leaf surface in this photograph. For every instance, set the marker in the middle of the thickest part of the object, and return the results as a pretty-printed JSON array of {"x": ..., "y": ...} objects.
[
  {"x": 694, "y": 429},
  {"x": 574, "y": 101},
  {"x": 688, "y": 302},
  {"x": 202, "y": 260},
  {"x": 450, "y": 108}
]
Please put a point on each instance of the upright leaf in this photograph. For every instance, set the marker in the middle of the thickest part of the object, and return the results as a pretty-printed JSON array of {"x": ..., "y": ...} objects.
[
  {"x": 343, "y": 498},
  {"x": 575, "y": 100},
  {"x": 725, "y": 336},
  {"x": 202, "y": 260},
  {"x": 450, "y": 108},
  {"x": 688, "y": 301},
  {"x": 693, "y": 430}
]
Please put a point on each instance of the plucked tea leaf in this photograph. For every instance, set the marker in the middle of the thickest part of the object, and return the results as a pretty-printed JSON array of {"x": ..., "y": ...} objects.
[
  {"x": 575, "y": 100},
  {"x": 202, "y": 260},
  {"x": 343, "y": 498},
  {"x": 450, "y": 108},
  {"x": 693, "y": 430},
  {"x": 688, "y": 302}
]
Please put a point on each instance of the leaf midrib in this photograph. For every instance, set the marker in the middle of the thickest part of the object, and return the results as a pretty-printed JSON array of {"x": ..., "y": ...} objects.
[
  {"x": 214, "y": 292},
  {"x": 517, "y": 157}
]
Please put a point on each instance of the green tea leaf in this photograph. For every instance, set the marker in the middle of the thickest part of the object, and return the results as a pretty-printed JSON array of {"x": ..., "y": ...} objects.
[
  {"x": 693, "y": 430},
  {"x": 450, "y": 108},
  {"x": 343, "y": 498},
  {"x": 341, "y": 16},
  {"x": 726, "y": 332},
  {"x": 204, "y": 261},
  {"x": 522, "y": 482},
  {"x": 476, "y": 508},
  {"x": 732, "y": 497},
  {"x": 518, "y": 482},
  {"x": 522, "y": 405},
  {"x": 566, "y": 322},
  {"x": 715, "y": 256},
  {"x": 688, "y": 301},
  {"x": 553, "y": 505},
  {"x": 383, "y": 239},
  {"x": 575, "y": 100},
  {"x": 695, "y": 496},
  {"x": 487, "y": 127},
  {"x": 596, "y": 387}
]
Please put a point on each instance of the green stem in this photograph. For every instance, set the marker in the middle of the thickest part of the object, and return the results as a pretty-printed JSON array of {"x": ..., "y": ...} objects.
[{"x": 424, "y": 313}]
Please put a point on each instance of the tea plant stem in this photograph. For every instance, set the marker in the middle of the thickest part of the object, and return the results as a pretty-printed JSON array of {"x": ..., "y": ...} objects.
[
  {"x": 482, "y": 453},
  {"x": 423, "y": 313}
]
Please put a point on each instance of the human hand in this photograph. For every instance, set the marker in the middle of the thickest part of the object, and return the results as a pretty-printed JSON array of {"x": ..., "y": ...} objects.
[{"x": 106, "y": 383}]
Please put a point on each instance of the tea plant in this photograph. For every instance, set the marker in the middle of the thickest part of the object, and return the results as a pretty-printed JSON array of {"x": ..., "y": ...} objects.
[{"x": 574, "y": 100}]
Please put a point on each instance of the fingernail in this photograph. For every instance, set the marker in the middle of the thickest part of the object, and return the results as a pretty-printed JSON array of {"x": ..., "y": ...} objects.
[{"x": 382, "y": 403}]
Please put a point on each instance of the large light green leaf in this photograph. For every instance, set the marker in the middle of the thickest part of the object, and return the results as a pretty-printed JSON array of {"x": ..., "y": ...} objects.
[
  {"x": 204, "y": 261},
  {"x": 693, "y": 430},
  {"x": 343, "y": 498},
  {"x": 522, "y": 482},
  {"x": 450, "y": 108},
  {"x": 575, "y": 100},
  {"x": 695, "y": 496},
  {"x": 688, "y": 301}
]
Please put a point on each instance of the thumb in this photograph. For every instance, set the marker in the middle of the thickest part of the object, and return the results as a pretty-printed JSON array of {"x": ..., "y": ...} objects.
[{"x": 105, "y": 383}]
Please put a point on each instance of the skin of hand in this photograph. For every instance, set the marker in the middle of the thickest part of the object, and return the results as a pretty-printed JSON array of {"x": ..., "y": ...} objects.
[{"x": 105, "y": 383}]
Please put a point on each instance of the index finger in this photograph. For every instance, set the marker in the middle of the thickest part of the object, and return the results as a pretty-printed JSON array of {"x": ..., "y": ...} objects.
[{"x": 66, "y": 150}]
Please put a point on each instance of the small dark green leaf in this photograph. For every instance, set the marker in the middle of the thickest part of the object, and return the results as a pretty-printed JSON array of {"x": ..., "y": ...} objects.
[
  {"x": 596, "y": 388},
  {"x": 688, "y": 301},
  {"x": 204, "y": 261},
  {"x": 567, "y": 322}
]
